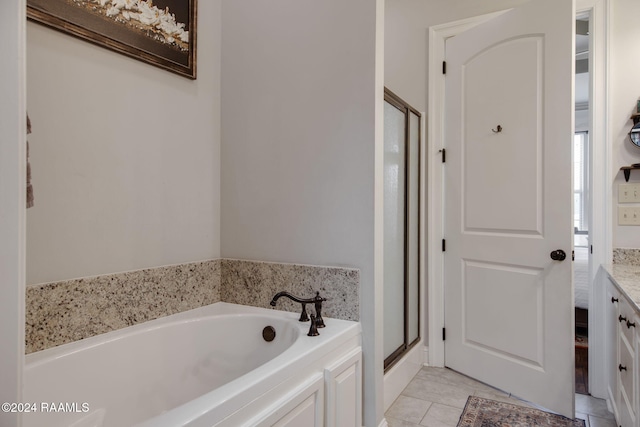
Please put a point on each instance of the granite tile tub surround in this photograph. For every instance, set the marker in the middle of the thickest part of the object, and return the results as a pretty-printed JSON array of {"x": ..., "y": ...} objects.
[
  {"x": 255, "y": 283},
  {"x": 62, "y": 312},
  {"x": 627, "y": 256}
]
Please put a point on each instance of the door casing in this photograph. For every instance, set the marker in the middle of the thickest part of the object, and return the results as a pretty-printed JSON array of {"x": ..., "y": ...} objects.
[{"x": 12, "y": 203}]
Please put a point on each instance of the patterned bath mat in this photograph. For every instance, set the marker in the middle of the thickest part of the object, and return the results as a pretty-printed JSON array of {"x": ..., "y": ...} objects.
[{"x": 480, "y": 412}]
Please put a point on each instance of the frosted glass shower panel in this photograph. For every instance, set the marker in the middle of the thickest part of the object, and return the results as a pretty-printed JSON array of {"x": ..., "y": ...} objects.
[
  {"x": 394, "y": 217},
  {"x": 402, "y": 195}
]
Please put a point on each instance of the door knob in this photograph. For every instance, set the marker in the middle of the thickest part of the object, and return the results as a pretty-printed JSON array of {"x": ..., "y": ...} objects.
[{"x": 558, "y": 255}]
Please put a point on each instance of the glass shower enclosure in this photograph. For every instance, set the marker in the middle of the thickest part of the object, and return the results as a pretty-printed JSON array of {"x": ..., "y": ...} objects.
[{"x": 401, "y": 228}]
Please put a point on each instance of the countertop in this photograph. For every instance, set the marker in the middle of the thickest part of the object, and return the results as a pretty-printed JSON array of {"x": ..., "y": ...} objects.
[{"x": 627, "y": 279}]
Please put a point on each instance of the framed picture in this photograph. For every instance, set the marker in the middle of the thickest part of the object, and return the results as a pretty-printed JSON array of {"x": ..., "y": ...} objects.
[{"x": 160, "y": 32}]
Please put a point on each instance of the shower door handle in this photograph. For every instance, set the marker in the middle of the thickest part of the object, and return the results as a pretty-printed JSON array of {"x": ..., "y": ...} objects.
[{"x": 558, "y": 255}]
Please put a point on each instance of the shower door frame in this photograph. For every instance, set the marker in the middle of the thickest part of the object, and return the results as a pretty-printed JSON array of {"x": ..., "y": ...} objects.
[{"x": 407, "y": 109}]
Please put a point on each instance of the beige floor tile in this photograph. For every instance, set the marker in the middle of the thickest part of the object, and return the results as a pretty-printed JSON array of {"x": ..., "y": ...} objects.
[
  {"x": 394, "y": 422},
  {"x": 592, "y": 406},
  {"x": 431, "y": 391},
  {"x": 601, "y": 422},
  {"x": 503, "y": 397},
  {"x": 443, "y": 393},
  {"x": 449, "y": 377},
  {"x": 441, "y": 416},
  {"x": 408, "y": 409},
  {"x": 493, "y": 395},
  {"x": 584, "y": 417},
  {"x": 444, "y": 376}
]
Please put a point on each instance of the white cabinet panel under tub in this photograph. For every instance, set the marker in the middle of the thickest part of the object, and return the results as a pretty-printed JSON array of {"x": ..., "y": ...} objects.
[
  {"x": 205, "y": 367},
  {"x": 343, "y": 382},
  {"x": 302, "y": 406}
]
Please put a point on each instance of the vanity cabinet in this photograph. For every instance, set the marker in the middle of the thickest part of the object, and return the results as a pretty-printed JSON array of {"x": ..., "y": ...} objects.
[
  {"x": 626, "y": 365},
  {"x": 623, "y": 347},
  {"x": 611, "y": 336},
  {"x": 635, "y": 398}
]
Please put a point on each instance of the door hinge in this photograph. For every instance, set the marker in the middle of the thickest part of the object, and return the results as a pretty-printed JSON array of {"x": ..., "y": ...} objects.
[
  {"x": 444, "y": 155},
  {"x": 591, "y": 248},
  {"x": 444, "y": 334},
  {"x": 444, "y": 245},
  {"x": 573, "y": 255},
  {"x": 444, "y": 67}
]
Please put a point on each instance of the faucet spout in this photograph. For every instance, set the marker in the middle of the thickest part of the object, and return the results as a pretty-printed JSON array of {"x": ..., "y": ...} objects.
[
  {"x": 292, "y": 297},
  {"x": 304, "y": 317},
  {"x": 316, "y": 301}
]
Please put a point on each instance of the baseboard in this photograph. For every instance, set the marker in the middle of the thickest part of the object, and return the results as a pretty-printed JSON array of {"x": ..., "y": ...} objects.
[
  {"x": 383, "y": 423},
  {"x": 399, "y": 376},
  {"x": 425, "y": 357}
]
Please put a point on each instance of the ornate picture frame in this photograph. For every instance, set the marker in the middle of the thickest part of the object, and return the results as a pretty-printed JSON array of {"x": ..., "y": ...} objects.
[{"x": 159, "y": 32}]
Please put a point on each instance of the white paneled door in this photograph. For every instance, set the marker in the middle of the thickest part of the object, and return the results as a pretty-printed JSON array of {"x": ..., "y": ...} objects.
[{"x": 508, "y": 203}]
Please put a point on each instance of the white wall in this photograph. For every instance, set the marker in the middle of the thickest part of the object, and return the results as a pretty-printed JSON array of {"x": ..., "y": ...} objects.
[
  {"x": 12, "y": 202},
  {"x": 129, "y": 170},
  {"x": 125, "y": 157},
  {"x": 625, "y": 91},
  {"x": 406, "y": 39},
  {"x": 298, "y": 122}
]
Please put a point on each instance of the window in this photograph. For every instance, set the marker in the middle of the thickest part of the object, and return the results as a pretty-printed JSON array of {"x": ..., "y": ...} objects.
[{"x": 580, "y": 187}]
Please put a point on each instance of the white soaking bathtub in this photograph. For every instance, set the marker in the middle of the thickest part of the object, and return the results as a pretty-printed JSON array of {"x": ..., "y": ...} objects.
[{"x": 204, "y": 367}]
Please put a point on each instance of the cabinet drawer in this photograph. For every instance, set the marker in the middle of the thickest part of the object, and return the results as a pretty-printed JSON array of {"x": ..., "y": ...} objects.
[{"x": 627, "y": 321}]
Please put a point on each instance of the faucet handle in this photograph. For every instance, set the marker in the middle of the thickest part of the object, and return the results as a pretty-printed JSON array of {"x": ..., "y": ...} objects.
[
  {"x": 303, "y": 315},
  {"x": 318, "y": 298},
  {"x": 313, "y": 330},
  {"x": 318, "y": 305}
]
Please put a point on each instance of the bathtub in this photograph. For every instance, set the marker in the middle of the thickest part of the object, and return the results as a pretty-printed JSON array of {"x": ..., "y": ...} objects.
[{"x": 204, "y": 367}]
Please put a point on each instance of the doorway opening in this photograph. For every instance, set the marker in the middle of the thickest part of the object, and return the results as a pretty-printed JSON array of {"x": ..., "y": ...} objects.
[
  {"x": 600, "y": 193},
  {"x": 581, "y": 204},
  {"x": 481, "y": 218}
]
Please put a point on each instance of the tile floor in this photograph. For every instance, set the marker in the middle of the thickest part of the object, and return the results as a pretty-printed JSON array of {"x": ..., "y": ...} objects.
[{"x": 436, "y": 397}]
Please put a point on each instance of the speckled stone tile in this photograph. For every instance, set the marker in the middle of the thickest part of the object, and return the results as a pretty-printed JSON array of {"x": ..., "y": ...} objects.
[
  {"x": 627, "y": 279},
  {"x": 71, "y": 310},
  {"x": 255, "y": 283},
  {"x": 62, "y": 312},
  {"x": 626, "y": 256}
]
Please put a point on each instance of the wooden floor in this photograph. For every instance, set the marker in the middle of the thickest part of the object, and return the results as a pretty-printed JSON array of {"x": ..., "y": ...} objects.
[
  {"x": 582, "y": 353},
  {"x": 582, "y": 370}
]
